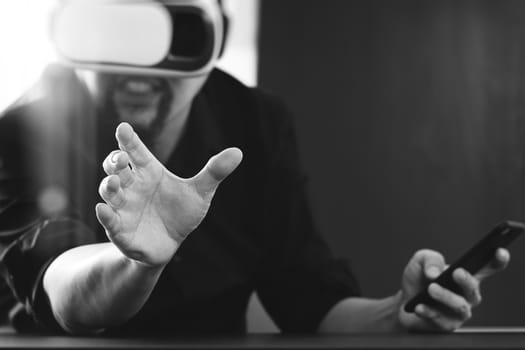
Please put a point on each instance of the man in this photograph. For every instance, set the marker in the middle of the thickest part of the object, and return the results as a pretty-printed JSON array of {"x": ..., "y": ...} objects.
[{"x": 188, "y": 243}]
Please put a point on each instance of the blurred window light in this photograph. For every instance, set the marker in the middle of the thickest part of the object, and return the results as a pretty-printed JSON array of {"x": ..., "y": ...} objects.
[
  {"x": 26, "y": 49},
  {"x": 25, "y": 46},
  {"x": 240, "y": 56}
]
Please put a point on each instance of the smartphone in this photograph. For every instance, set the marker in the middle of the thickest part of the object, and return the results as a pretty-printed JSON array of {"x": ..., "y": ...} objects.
[{"x": 472, "y": 261}]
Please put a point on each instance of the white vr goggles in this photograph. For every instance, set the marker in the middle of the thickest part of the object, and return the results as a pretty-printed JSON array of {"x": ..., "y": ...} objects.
[{"x": 149, "y": 37}]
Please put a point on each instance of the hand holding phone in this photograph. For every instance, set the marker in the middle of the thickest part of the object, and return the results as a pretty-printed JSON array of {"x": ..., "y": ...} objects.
[{"x": 472, "y": 261}]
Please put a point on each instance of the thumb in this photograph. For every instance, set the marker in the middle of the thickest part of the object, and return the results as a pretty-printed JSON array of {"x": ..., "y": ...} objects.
[
  {"x": 217, "y": 169},
  {"x": 431, "y": 263}
]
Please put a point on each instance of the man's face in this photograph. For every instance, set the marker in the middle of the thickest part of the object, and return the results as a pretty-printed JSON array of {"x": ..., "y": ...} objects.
[{"x": 147, "y": 103}]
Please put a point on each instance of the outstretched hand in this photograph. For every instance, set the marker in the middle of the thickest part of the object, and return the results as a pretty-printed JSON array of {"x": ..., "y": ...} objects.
[
  {"x": 149, "y": 211},
  {"x": 426, "y": 265}
]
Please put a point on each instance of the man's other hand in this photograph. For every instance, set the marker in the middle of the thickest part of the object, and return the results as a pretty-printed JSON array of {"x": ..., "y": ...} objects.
[
  {"x": 425, "y": 266},
  {"x": 149, "y": 211}
]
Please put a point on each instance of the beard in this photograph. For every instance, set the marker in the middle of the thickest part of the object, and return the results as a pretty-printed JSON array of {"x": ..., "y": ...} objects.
[{"x": 116, "y": 104}]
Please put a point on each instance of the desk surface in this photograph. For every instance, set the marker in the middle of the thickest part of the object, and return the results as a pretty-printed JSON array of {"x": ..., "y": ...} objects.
[{"x": 499, "y": 339}]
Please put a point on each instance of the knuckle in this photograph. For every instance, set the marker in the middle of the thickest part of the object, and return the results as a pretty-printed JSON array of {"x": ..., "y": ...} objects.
[
  {"x": 110, "y": 228},
  {"x": 112, "y": 184},
  {"x": 441, "y": 323},
  {"x": 468, "y": 315},
  {"x": 126, "y": 178},
  {"x": 113, "y": 156},
  {"x": 449, "y": 325},
  {"x": 421, "y": 253},
  {"x": 102, "y": 187},
  {"x": 476, "y": 283},
  {"x": 105, "y": 166},
  {"x": 464, "y": 310},
  {"x": 477, "y": 299},
  {"x": 453, "y": 326},
  {"x": 475, "y": 294},
  {"x": 433, "y": 315},
  {"x": 429, "y": 257},
  {"x": 470, "y": 279},
  {"x": 134, "y": 142},
  {"x": 112, "y": 225},
  {"x": 119, "y": 201},
  {"x": 110, "y": 160},
  {"x": 437, "y": 292}
]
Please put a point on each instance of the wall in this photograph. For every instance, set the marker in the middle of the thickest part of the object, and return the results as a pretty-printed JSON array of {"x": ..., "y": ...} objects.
[{"x": 411, "y": 122}]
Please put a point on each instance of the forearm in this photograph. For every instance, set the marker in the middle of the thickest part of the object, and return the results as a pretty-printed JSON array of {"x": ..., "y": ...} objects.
[
  {"x": 95, "y": 286},
  {"x": 360, "y": 315}
]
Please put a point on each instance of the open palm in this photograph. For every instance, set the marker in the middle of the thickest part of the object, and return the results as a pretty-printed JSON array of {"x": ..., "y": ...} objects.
[{"x": 149, "y": 211}]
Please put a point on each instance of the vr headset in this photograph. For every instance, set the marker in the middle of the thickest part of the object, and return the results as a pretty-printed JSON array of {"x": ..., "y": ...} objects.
[{"x": 179, "y": 38}]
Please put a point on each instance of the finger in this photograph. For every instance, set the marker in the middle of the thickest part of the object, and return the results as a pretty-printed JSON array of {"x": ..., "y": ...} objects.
[
  {"x": 432, "y": 263},
  {"x": 499, "y": 262},
  {"x": 217, "y": 169},
  {"x": 501, "y": 259},
  {"x": 108, "y": 218},
  {"x": 438, "y": 319},
  {"x": 117, "y": 163},
  {"x": 455, "y": 303},
  {"x": 469, "y": 285},
  {"x": 111, "y": 192},
  {"x": 129, "y": 141}
]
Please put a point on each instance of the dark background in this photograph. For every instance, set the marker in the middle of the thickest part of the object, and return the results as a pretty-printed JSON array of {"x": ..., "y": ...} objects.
[{"x": 411, "y": 122}]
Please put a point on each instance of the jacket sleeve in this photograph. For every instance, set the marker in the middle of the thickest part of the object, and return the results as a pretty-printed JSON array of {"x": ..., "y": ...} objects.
[{"x": 38, "y": 216}]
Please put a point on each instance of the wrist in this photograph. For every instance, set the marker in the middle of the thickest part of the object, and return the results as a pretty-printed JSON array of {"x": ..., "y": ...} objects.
[
  {"x": 156, "y": 256},
  {"x": 143, "y": 267},
  {"x": 398, "y": 304},
  {"x": 138, "y": 266}
]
